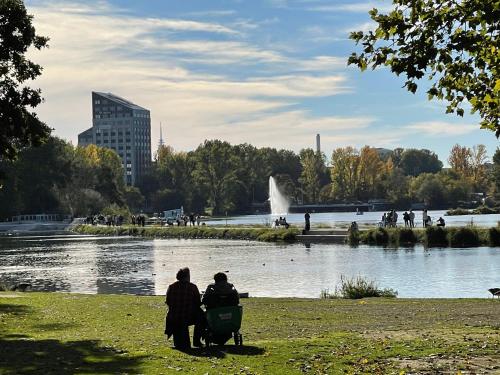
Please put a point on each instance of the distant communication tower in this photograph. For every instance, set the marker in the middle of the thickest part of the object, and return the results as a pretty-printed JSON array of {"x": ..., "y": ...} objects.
[
  {"x": 318, "y": 143},
  {"x": 160, "y": 142}
]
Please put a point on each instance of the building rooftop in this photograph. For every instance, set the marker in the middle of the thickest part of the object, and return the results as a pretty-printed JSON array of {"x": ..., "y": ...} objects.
[{"x": 120, "y": 100}]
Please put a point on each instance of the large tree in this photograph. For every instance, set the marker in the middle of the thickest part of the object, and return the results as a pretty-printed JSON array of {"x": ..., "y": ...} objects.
[
  {"x": 414, "y": 162},
  {"x": 20, "y": 126},
  {"x": 453, "y": 43},
  {"x": 217, "y": 171}
]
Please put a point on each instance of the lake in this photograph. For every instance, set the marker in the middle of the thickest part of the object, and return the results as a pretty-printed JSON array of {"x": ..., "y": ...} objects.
[
  {"x": 126, "y": 265},
  {"x": 368, "y": 218}
]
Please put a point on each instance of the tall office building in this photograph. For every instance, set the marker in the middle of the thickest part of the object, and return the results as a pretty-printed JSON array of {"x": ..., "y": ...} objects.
[{"x": 124, "y": 127}]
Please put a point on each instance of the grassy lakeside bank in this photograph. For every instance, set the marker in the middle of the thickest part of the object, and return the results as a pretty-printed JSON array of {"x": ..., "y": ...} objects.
[
  {"x": 430, "y": 236},
  {"x": 57, "y": 333},
  {"x": 232, "y": 233}
]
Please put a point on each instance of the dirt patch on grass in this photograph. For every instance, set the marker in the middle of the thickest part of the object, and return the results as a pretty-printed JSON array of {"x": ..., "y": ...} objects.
[{"x": 436, "y": 364}]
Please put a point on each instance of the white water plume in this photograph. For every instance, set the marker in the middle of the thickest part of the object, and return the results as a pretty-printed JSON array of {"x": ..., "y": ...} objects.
[{"x": 279, "y": 203}]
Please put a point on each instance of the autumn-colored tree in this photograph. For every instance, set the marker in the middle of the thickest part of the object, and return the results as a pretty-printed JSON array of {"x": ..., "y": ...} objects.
[
  {"x": 370, "y": 172},
  {"x": 460, "y": 160},
  {"x": 469, "y": 164},
  {"x": 479, "y": 157},
  {"x": 343, "y": 171}
]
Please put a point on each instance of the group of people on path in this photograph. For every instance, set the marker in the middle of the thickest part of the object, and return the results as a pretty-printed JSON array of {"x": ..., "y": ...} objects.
[
  {"x": 192, "y": 219},
  {"x": 184, "y": 307},
  {"x": 109, "y": 220},
  {"x": 390, "y": 219},
  {"x": 281, "y": 222},
  {"x": 140, "y": 220},
  {"x": 427, "y": 220}
]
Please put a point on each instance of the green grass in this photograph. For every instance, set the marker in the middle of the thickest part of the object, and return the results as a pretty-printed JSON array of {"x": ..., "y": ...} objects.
[
  {"x": 234, "y": 233},
  {"x": 57, "y": 333}
]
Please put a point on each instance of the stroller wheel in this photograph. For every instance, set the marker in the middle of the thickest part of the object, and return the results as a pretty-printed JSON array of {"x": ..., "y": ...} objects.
[
  {"x": 236, "y": 337},
  {"x": 240, "y": 339}
]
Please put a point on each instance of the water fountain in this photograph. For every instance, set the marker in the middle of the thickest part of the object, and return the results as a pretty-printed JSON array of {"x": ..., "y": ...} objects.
[{"x": 279, "y": 203}]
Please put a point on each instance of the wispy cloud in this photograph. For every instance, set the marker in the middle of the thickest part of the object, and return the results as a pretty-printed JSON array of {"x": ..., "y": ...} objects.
[
  {"x": 441, "y": 128},
  {"x": 159, "y": 64},
  {"x": 362, "y": 7},
  {"x": 212, "y": 13}
]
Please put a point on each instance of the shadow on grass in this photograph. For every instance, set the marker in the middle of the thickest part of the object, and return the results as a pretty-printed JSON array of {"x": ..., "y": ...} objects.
[
  {"x": 6, "y": 308},
  {"x": 29, "y": 356},
  {"x": 220, "y": 351}
]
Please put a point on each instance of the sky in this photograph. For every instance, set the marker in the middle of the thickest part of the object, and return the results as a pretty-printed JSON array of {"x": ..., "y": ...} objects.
[{"x": 272, "y": 73}]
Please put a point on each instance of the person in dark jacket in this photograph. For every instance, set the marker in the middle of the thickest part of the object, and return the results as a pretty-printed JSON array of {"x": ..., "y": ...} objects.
[
  {"x": 183, "y": 300},
  {"x": 221, "y": 293},
  {"x": 307, "y": 218}
]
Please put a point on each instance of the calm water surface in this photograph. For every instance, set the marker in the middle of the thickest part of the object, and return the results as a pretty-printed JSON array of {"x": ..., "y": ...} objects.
[
  {"x": 139, "y": 266},
  {"x": 368, "y": 218}
]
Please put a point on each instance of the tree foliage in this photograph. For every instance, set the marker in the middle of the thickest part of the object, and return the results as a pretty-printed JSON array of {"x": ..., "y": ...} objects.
[
  {"x": 219, "y": 177},
  {"x": 20, "y": 126},
  {"x": 453, "y": 43},
  {"x": 469, "y": 164},
  {"x": 414, "y": 162},
  {"x": 59, "y": 178},
  {"x": 314, "y": 174}
]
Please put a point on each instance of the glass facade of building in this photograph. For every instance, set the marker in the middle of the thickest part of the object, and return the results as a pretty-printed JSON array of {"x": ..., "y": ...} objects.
[{"x": 123, "y": 127}]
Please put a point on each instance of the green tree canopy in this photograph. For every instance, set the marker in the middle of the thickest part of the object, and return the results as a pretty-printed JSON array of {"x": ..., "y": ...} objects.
[
  {"x": 414, "y": 162},
  {"x": 19, "y": 127},
  {"x": 453, "y": 43}
]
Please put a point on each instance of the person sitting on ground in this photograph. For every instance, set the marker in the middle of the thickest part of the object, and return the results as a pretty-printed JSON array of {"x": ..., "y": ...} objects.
[
  {"x": 184, "y": 309},
  {"x": 284, "y": 223},
  {"x": 221, "y": 293},
  {"x": 440, "y": 222}
]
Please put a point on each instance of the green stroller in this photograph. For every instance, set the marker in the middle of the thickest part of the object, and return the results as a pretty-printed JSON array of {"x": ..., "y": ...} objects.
[{"x": 224, "y": 323}]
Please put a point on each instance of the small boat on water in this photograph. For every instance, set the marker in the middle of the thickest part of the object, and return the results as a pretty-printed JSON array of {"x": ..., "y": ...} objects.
[{"x": 358, "y": 212}]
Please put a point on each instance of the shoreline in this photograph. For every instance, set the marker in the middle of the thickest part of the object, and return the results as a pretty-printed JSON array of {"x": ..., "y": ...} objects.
[{"x": 458, "y": 237}]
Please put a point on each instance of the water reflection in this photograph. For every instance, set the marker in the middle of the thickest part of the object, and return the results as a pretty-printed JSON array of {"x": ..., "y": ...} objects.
[{"x": 138, "y": 266}]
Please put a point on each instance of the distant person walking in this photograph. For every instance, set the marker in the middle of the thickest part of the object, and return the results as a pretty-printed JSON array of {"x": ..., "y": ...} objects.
[
  {"x": 424, "y": 218},
  {"x": 412, "y": 219},
  {"x": 307, "y": 218},
  {"x": 406, "y": 218}
]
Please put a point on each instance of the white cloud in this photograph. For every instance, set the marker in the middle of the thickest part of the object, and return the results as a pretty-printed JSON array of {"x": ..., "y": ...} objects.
[
  {"x": 440, "y": 128},
  {"x": 322, "y": 63},
  {"x": 129, "y": 57},
  {"x": 364, "y": 7},
  {"x": 212, "y": 13},
  {"x": 365, "y": 27}
]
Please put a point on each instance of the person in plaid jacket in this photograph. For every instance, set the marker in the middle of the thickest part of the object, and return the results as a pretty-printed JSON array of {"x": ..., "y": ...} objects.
[{"x": 183, "y": 300}]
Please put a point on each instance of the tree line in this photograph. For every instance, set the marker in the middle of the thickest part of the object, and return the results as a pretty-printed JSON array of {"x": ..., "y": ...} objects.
[{"x": 219, "y": 178}]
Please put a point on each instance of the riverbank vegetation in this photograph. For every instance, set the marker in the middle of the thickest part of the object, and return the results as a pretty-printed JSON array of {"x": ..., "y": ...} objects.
[
  {"x": 482, "y": 210},
  {"x": 432, "y": 236},
  {"x": 229, "y": 233},
  {"x": 44, "y": 333},
  {"x": 357, "y": 288}
]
